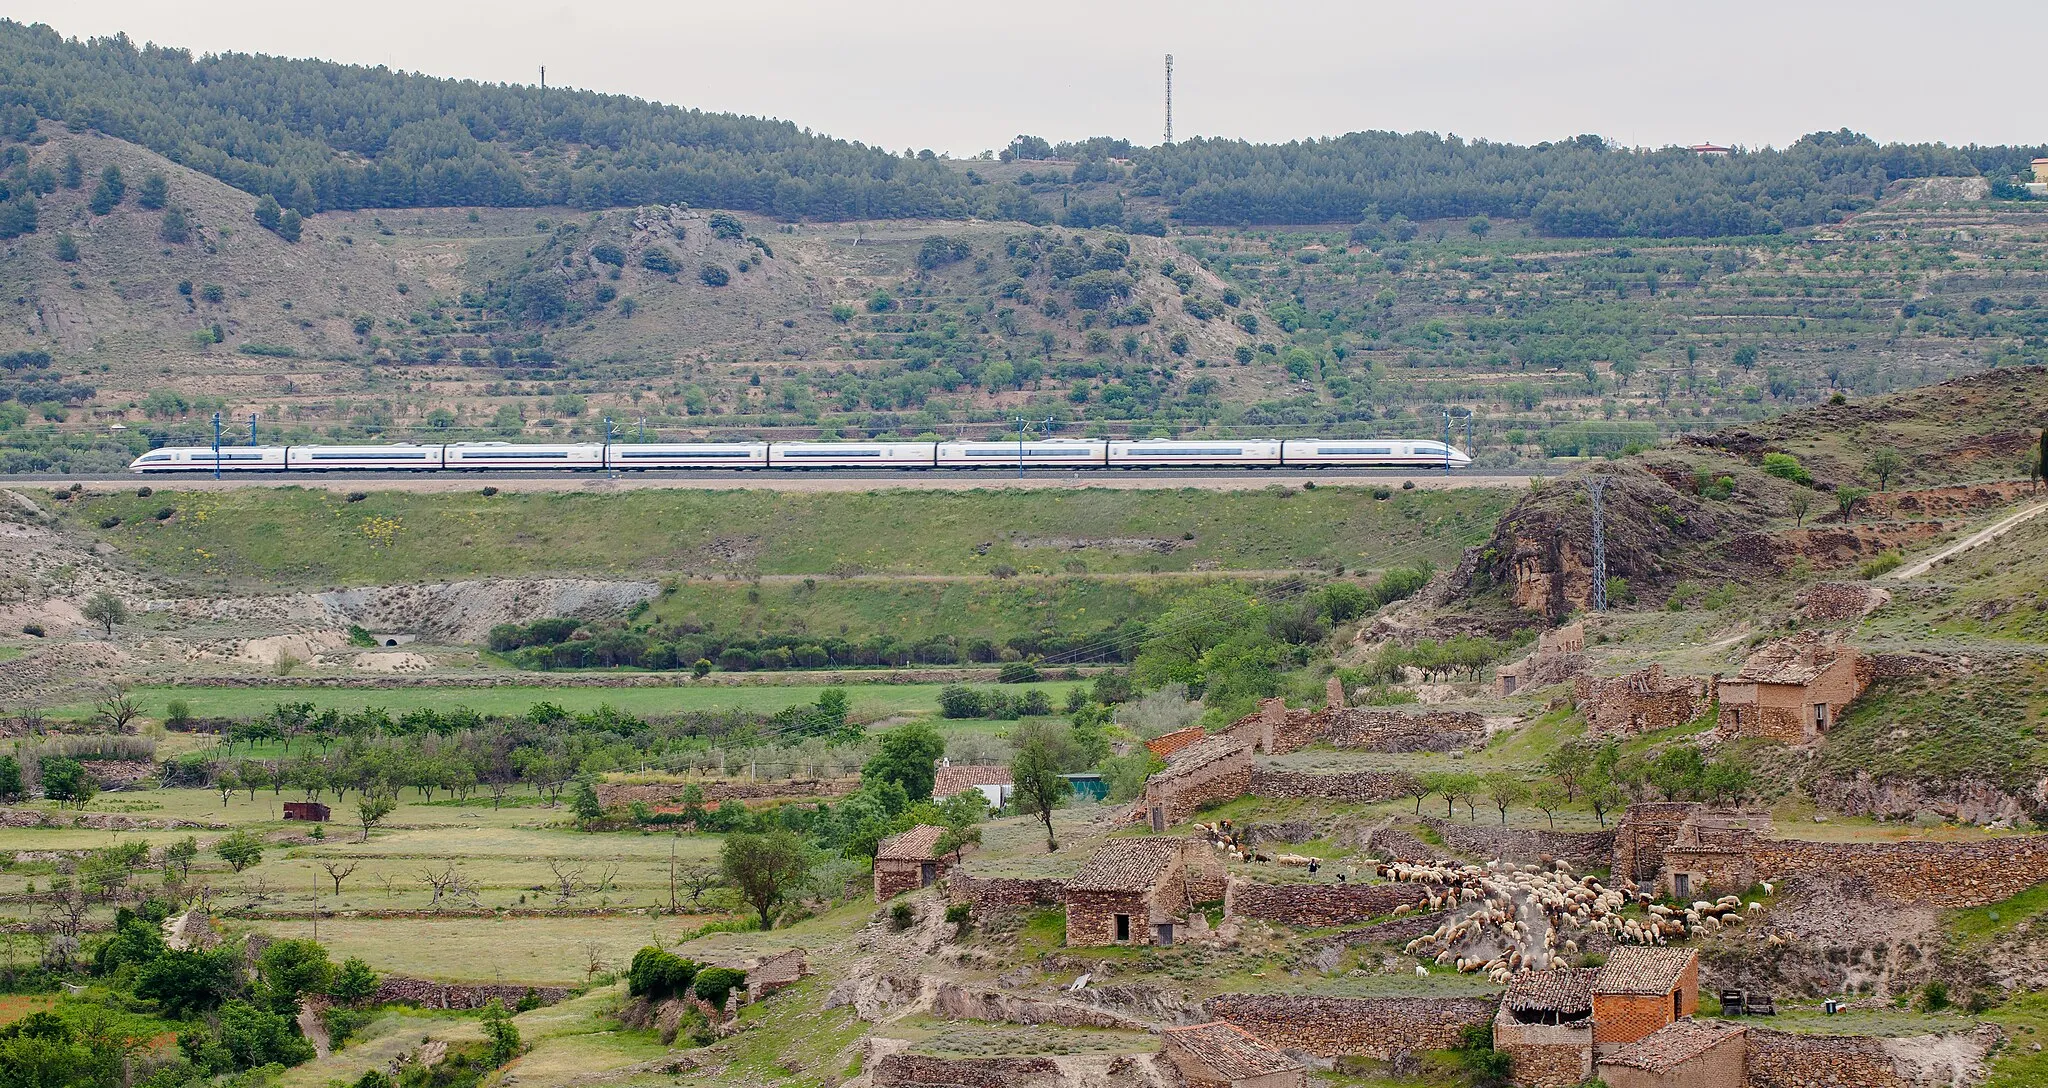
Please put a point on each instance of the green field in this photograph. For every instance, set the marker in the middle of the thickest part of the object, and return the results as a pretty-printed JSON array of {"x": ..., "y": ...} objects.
[
  {"x": 981, "y": 607},
  {"x": 297, "y": 537},
  {"x": 869, "y": 700}
]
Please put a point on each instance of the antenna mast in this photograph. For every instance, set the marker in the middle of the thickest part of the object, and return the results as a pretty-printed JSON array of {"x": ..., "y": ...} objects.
[
  {"x": 543, "y": 77},
  {"x": 1169, "y": 98}
]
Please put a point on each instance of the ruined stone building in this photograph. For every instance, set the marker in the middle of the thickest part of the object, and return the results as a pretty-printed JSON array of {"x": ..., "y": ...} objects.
[
  {"x": 1223, "y": 1055},
  {"x": 1545, "y": 1022},
  {"x": 1641, "y": 702},
  {"x": 1640, "y": 989},
  {"x": 1140, "y": 891},
  {"x": 1793, "y": 690},
  {"x": 1166, "y": 744},
  {"x": 909, "y": 861},
  {"x": 1214, "y": 770},
  {"x": 1558, "y": 655},
  {"x": 1276, "y": 730},
  {"x": 1686, "y": 1054}
]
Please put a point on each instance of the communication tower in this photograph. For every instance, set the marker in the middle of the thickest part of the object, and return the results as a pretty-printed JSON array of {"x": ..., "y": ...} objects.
[{"x": 1169, "y": 98}]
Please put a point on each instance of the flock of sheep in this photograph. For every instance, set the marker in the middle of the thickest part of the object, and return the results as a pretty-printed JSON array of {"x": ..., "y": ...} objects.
[{"x": 1521, "y": 917}]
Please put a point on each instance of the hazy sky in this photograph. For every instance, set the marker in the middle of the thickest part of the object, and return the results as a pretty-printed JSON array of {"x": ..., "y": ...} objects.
[{"x": 960, "y": 77}]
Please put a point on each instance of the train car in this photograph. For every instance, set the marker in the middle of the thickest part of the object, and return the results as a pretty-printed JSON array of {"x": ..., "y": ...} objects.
[
  {"x": 1173, "y": 453},
  {"x": 1050, "y": 453},
  {"x": 201, "y": 459},
  {"x": 499, "y": 456},
  {"x": 646, "y": 455},
  {"x": 903, "y": 455},
  {"x": 396, "y": 458},
  {"x": 1369, "y": 452}
]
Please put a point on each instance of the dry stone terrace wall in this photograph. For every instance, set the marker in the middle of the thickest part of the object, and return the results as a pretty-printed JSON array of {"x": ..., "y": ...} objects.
[
  {"x": 442, "y": 995},
  {"x": 918, "y": 1071},
  {"x": 1940, "y": 874},
  {"x": 1363, "y": 787},
  {"x": 1393, "y": 731},
  {"x": 1332, "y": 1027},
  {"x": 1318, "y": 905},
  {"x": 1580, "y": 849},
  {"x": 1781, "y": 1060},
  {"x": 988, "y": 895},
  {"x": 616, "y": 794}
]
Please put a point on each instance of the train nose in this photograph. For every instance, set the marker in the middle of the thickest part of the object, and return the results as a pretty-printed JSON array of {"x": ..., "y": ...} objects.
[{"x": 1460, "y": 459}]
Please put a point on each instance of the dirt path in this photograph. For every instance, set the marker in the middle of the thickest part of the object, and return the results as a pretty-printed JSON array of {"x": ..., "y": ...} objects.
[{"x": 2003, "y": 527}]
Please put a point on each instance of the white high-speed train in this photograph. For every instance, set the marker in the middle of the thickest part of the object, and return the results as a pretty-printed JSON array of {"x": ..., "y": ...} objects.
[{"x": 1074, "y": 453}]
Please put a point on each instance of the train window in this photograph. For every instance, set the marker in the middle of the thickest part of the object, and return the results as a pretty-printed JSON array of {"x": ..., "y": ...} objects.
[
  {"x": 521, "y": 455},
  {"x": 1355, "y": 451},
  {"x": 1030, "y": 453},
  {"x": 368, "y": 456},
  {"x": 160, "y": 457},
  {"x": 1218, "y": 452},
  {"x": 830, "y": 453},
  {"x": 645, "y": 455}
]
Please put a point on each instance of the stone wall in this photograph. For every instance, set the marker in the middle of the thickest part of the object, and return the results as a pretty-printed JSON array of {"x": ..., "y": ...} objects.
[
  {"x": 1781, "y": 1060},
  {"x": 1359, "y": 786},
  {"x": 668, "y": 795},
  {"x": 1546, "y": 1055},
  {"x": 443, "y": 995},
  {"x": 1394, "y": 731},
  {"x": 1939, "y": 874},
  {"x": 1834, "y": 602},
  {"x": 1646, "y": 831},
  {"x": 905, "y": 1070},
  {"x": 1582, "y": 850},
  {"x": 1332, "y": 1027},
  {"x": 1640, "y": 702},
  {"x": 1318, "y": 905},
  {"x": 988, "y": 895}
]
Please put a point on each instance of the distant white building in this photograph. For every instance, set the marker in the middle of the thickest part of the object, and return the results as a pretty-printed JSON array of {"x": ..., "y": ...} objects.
[
  {"x": 992, "y": 779},
  {"x": 1710, "y": 149}
]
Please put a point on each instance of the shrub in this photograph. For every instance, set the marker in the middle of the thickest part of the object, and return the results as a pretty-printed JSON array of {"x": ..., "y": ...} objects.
[
  {"x": 358, "y": 496},
  {"x": 958, "y": 701},
  {"x": 489, "y": 491},
  {"x": 144, "y": 492},
  {"x": 165, "y": 513},
  {"x": 1786, "y": 467},
  {"x": 110, "y": 521},
  {"x": 715, "y": 983},
  {"x": 714, "y": 276},
  {"x": 901, "y": 915},
  {"x": 32, "y": 630},
  {"x": 1017, "y": 672},
  {"x": 1935, "y": 997},
  {"x": 959, "y": 914},
  {"x": 657, "y": 975},
  {"x": 1884, "y": 561},
  {"x": 658, "y": 260}
]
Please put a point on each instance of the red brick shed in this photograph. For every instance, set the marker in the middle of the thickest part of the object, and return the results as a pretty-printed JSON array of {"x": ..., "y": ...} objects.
[{"x": 306, "y": 810}]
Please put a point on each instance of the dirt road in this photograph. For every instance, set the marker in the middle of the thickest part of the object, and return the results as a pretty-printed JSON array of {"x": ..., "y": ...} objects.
[{"x": 2003, "y": 527}]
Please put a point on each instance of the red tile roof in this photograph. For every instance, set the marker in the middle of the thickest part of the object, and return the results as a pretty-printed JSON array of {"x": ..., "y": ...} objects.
[
  {"x": 1673, "y": 1045},
  {"x": 920, "y": 843},
  {"x": 1568, "y": 991},
  {"x": 1194, "y": 756},
  {"x": 1232, "y": 1052},
  {"x": 1127, "y": 865},
  {"x": 1643, "y": 969},
  {"x": 960, "y": 779},
  {"x": 1167, "y": 744}
]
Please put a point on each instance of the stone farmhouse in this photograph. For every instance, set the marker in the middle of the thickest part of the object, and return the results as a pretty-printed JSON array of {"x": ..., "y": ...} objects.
[
  {"x": 1545, "y": 1022},
  {"x": 1216, "y": 769},
  {"x": 1793, "y": 690},
  {"x": 992, "y": 779},
  {"x": 1222, "y": 1055},
  {"x": 1141, "y": 891},
  {"x": 908, "y": 861}
]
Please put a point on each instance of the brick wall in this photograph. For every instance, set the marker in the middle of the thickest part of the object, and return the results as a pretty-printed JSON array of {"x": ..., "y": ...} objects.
[
  {"x": 1332, "y": 1027},
  {"x": 1781, "y": 1060},
  {"x": 1624, "y": 1018},
  {"x": 1580, "y": 849},
  {"x": 1393, "y": 731},
  {"x": 1360, "y": 786},
  {"x": 1640, "y": 702},
  {"x": 988, "y": 895},
  {"x": 1317, "y": 905}
]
